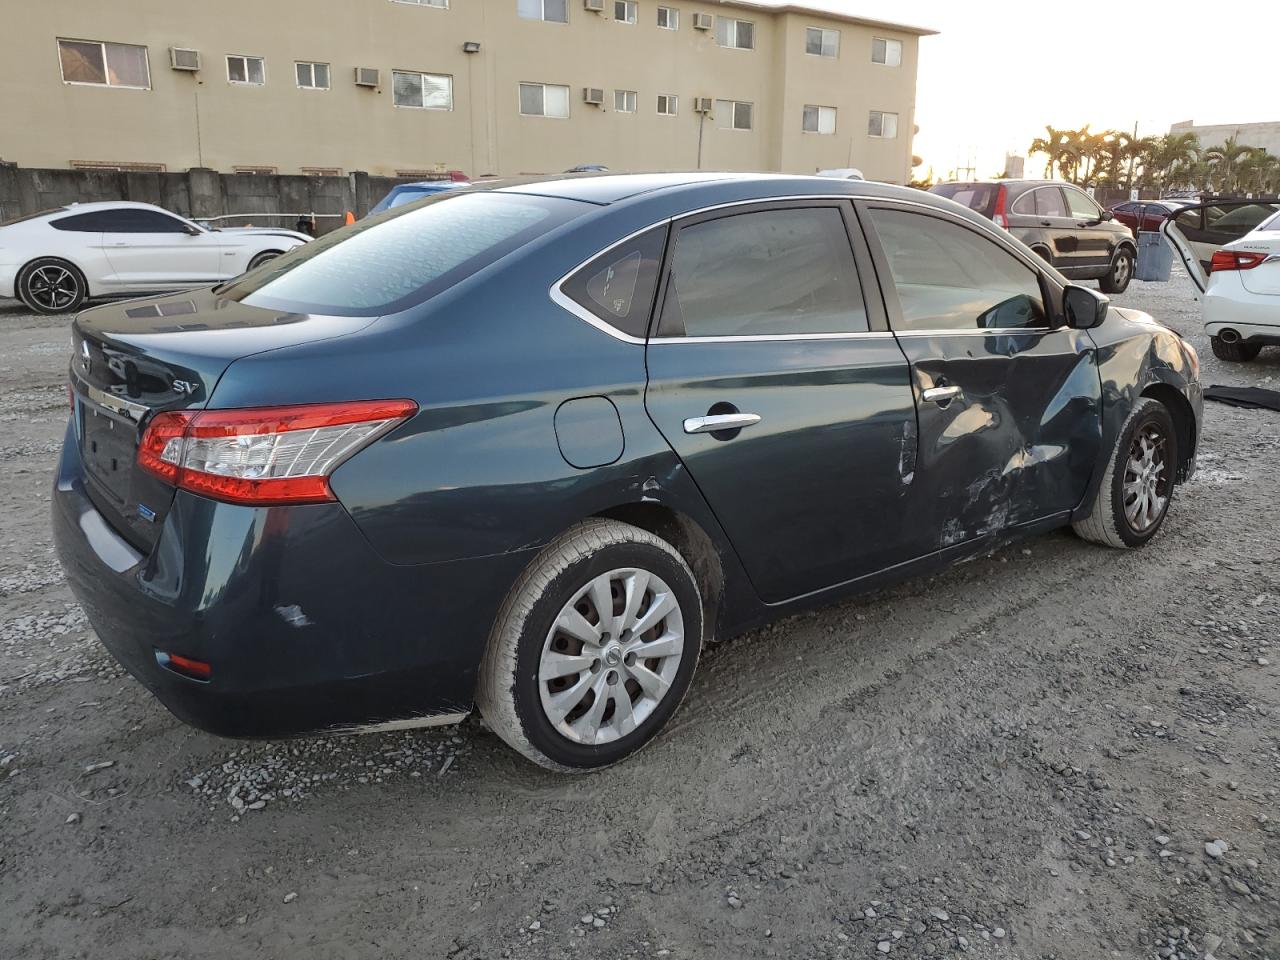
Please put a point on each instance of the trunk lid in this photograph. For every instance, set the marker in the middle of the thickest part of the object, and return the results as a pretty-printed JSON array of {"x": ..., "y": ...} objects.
[
  {"x": 1265, "y": 277},
  {"x": 136, "y": 358}
]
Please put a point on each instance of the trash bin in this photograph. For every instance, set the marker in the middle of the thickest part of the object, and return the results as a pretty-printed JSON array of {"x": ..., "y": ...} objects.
[{"x": 1155, "y": 257}]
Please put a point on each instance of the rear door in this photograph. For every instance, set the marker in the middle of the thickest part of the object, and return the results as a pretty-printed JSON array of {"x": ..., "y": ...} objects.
[
  {"x": 151, "y": 250},
  {"x": 774, "y": 378},
  {"x": 1044, "y": 211},
  {"x": 1200, "y": 231},
  {"x": 1009, "y": 400}
]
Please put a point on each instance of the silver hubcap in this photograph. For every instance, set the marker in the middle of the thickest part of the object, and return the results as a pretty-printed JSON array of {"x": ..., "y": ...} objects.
[
  {"x": 1121, "y": 272},
  {"x": 1146, "y": 479},
  {"x": 611, "y": 656},
  {"x": 53, "y": 287}
]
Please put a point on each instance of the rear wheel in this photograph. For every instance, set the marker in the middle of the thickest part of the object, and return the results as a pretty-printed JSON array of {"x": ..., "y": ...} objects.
[
  {"x": 1237, "y": 351},
  {"x": 1043, "y": 254},
  {"x": 1118, "y": 275},
  {"x": 593, "y": 649},
  {"x": 51, "y": 285},
  {"x": 1136, "y": 490}
]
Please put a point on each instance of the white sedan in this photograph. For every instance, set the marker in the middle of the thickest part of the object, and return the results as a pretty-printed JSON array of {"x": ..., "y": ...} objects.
[
  {"x": 1231, "y": 250},
  {"x": 54, "y": 260}
]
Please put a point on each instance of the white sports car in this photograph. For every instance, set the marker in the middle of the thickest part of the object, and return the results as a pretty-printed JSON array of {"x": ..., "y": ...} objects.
[
  {"x": 1231, "y": 249},
  {"x": 54, "y": 260}
]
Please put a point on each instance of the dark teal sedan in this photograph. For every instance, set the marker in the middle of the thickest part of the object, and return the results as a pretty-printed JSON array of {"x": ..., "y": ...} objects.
[{"x": 526, "y": 449}]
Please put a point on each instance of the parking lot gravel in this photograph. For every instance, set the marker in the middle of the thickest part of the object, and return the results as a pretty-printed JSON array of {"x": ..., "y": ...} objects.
[{"x": 1057, "y": 751}]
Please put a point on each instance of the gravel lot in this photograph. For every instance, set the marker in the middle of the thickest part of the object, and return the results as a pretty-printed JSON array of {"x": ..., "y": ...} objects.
[{"x": 1057, "y": 751}]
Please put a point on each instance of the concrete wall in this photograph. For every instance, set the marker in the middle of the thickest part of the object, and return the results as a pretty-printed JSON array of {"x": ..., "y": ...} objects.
[{"x": 202, "y": 120}]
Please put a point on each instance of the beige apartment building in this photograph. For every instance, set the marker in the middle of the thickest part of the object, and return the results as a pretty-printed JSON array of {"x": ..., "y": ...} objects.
[{"x": 409, "y": 87}]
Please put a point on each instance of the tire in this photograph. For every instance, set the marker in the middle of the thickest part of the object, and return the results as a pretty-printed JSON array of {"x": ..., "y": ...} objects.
[
  {"x": 1118, "y": 275},
  {"x": 1238, "y": 352},
  {"x": 51, "y": 285},
  {"x": 1109, "y": 523},
  {"x": 261, "y": 258},
  {"x": 1043, "y": 254},
  {"x": 537, "y": 713}
]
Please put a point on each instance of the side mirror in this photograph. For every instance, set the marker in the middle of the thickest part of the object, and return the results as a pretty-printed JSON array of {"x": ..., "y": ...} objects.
[
  {"x": 1084, "y": 308},
  {"x": 1108, "y": 215},
  {"x": 192, "y": 231}
]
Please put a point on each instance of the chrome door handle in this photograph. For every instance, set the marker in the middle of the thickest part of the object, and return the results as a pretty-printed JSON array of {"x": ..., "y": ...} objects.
[
  {"x": 942, "y": 395},
  {"x": 723, "y": 421}
]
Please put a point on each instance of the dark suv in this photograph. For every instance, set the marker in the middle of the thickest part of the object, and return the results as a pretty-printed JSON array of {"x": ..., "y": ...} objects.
[{"x": 1060, "y": 222}]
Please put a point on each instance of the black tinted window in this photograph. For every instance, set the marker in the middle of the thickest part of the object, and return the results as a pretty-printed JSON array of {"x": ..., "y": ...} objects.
[
  {"x": 979, "y": 197},
  {"x": 949, "y": 277},
  {"x": 618, "y": 285},
  {"x": 770, "y": 273},
  {"x": 1049, "y": 202},
  {"x": 401, "y": 257},
  {"x": 126, "y": 220},
  {"x": 95, "y": 222}
]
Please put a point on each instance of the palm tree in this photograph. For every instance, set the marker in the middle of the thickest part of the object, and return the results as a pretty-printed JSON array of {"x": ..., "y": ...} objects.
[
  {"x": 1176, "y": 150},
  {"x": 1225, "y": 158},
  {"x": 1051, "y": 146}
]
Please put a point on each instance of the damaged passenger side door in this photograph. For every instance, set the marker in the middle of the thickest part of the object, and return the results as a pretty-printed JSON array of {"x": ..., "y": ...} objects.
[{"x": 1008, "y": 397}]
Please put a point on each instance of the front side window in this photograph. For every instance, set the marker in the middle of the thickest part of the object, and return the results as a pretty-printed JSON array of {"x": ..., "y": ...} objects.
[
  {"x": 105, "y": 64},
  {"x": 624, "y": 101},
  {"x": 617, "y": 287},
  {"x": 668, "y": 104},
  {"x": 248, "y": 70},
  {"x": 734, "y": 115},
  {"x": 887, "y": 52},
  {"x": 554, "y": 11},
  {"x": 820, "y": 42},
  {"x": 735, "y": 33},
  {"x": 391, "y": 261},
  {"x": 818, "y": 119},
  {"x": 624, "y": 11},
  {"x": 544, "y": 100},
  {"x": 668, "y": 18},
  {"x": 882, "y": 124},
  {"x": 426, "y": 91},
  {"x": 1082, "y": 206},
  {"x": 949, "y": 277},
  {"x": 768, "y": 273},
  {"x": 312, "y": 76}
]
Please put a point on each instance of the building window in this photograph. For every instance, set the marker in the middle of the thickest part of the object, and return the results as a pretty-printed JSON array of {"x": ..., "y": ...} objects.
[
  {"x": 128, "y": 166},
  {"x": 438, "y": 4},
  {"x": 250, "y": 70},
  {"x": 668, "y": 104},
  {"x": 555, "y": 11},
  {"x": 818, "y": 119},
  {"x": 668, "y": 18},
  {"x": 888, "y": 52},
  {"x": 883, "y": 125},
  {"x": 624, "y": 11},
  {"x": 733, "y": 115},
  {"x": 735, "y": 33},
  {"x": 322, "y": 171},
  {"x": 624, "y": 101},
  {"x": 822, "y": 43},
  {"x": 105, "y": 64},
  {"x": 544, "y": 100},
  {"x": 255, "y": 171},
  {"x": 312, "y": 76},
  {"x": 425, "y": 91}
]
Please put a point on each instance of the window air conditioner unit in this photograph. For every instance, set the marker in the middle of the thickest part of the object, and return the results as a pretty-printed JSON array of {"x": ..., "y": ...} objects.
[
  {"x": 594, "y": 5},
  {"x": 702, "y": 105},
  {"x": 180, "y": 58},
  {"x": 703, "y": 21},
  {"x": 366, "y": 76},
  {"x": 593, "y": 95}
]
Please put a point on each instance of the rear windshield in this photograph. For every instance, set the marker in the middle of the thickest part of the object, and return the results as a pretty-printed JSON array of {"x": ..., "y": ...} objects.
[
  {"x": 402, "y": 195},
  {"x": 1271, "y": 224},
  {"x": 386, "y": 263},
  {"x": 979, "y": 197}
]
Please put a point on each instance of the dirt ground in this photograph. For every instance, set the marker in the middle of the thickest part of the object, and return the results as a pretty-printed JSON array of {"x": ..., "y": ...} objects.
[{"x": 1058, "y": 751}]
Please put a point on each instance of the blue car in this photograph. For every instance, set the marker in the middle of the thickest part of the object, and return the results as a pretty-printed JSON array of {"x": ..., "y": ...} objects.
[
  {"x": 404, "y": 193},
  {"x": 526, "y": 450}
]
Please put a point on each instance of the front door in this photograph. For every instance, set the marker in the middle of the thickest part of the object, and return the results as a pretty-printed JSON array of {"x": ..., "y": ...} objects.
[
  {"x": 1009, "y": 401},
  {"x": 151, "y": 250},
  {"x": 776, "y": 382},
  {"x": 1093, "y": 243}
]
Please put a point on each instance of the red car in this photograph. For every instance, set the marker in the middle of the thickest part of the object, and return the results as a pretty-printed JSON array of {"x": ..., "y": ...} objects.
[{"x": 1151, "y": 212}]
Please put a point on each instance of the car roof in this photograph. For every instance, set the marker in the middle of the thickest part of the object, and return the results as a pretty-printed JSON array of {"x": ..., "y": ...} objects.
[
  {"x": 108, "y": 205},
  {"x": 612, "y": 187}
]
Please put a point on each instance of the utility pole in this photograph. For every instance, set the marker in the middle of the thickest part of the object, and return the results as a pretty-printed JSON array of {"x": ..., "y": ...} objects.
[{"x": 1133, "y": 153}]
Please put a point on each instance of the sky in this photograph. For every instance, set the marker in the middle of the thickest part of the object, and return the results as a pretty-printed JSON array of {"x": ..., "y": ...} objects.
[{"x": 990, "y": 81}]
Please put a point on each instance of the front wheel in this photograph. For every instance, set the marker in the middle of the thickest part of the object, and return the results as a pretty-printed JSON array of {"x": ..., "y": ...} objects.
[
  {"x": 263, "y": 257},
  {"x": 1136, "y": 490},
  {"x": 1117, "y": 277},
  {"x": 593, "y": 649},
  {"x": 1235, "y": 352},
  {"x": 52, "y": 285}
]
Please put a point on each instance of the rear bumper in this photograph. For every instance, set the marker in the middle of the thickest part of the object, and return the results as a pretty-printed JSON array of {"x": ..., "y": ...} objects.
[
  {"x": 305, "y": 626},
  {"x": 1228, "y": 306}
]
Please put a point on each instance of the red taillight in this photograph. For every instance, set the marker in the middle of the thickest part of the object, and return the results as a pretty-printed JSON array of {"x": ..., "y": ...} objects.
[
  {"x": 998, "y": 215},
  {"x": 457, "y": 176},
  {"x": 195, "y": 669},
  {"x": 264, "y": 455},
  {"x": 1235, "y": 260}
]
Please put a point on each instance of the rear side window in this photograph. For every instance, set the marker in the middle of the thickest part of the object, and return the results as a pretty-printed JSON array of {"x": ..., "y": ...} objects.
[
  {"x": 96, "y": 222},
  {"x": 125, "y": 220},
  {"x": 402, "y": 257},
  {"x": 767, "y": 273},
  {"x": 618, "y": 286},
  {"x": 949, "y": 277},
  {"x": 979, "y": 197}
]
